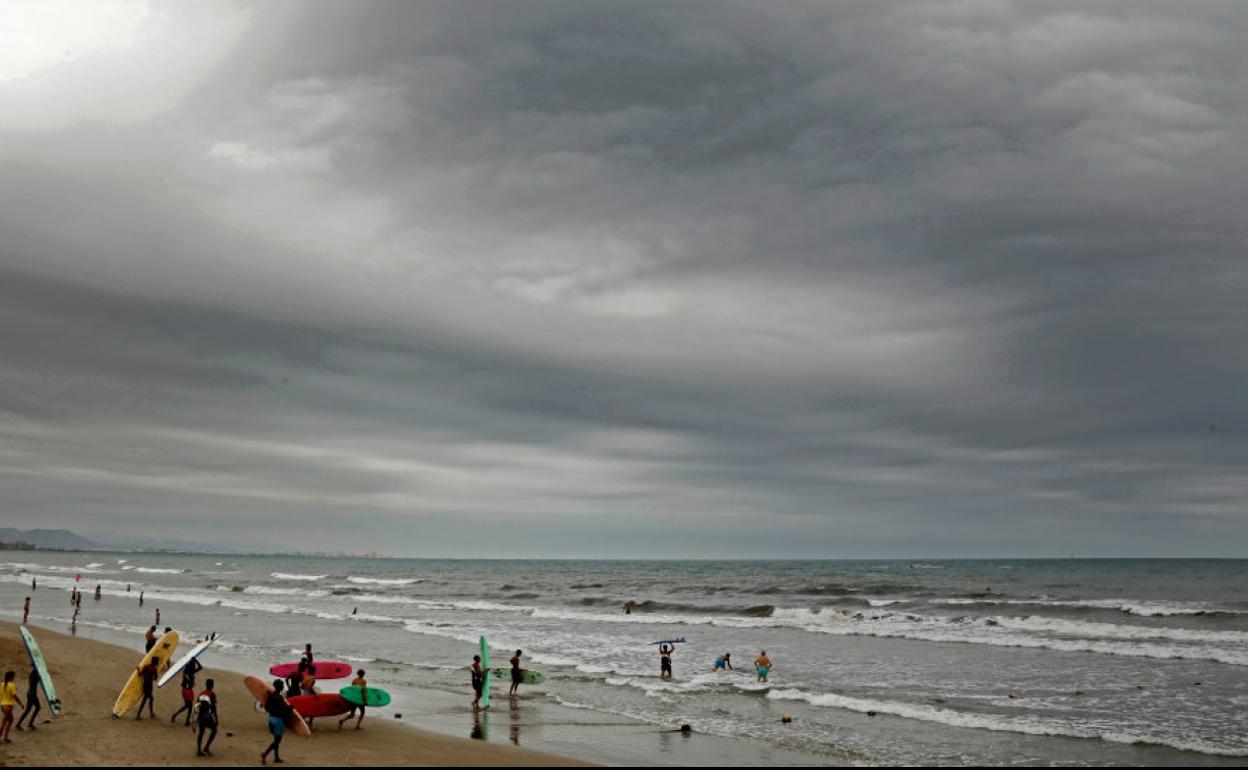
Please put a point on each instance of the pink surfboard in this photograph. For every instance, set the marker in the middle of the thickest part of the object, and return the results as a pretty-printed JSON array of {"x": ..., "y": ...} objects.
[
  {"x": 327, "y": 669},
  {"x": 261, "y": 690}
]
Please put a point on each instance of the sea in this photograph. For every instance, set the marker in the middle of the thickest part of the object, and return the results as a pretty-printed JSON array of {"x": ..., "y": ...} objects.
[{"x": 875, "y": 662}]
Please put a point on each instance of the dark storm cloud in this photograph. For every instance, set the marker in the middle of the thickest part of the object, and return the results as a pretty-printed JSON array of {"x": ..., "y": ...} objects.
[{"x": 955, "y": 278}]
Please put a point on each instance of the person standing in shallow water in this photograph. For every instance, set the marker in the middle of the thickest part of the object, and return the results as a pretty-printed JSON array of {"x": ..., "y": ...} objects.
[
  {"x": 665, "y": 660},
  {"x": 763, "y": 664},
  {"x": 478, "y": 681},
  {"x": 517, "y": 673}
]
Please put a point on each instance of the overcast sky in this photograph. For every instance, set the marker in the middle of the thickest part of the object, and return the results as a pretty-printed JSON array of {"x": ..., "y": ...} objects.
[{"x": 627, "y": 279}]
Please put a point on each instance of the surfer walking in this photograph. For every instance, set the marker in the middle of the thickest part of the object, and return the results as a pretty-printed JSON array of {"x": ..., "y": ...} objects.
[
  {"x": 279, "y": 711},
  {"x": 188, "y": 690},
  {"x": 361, "y": 683},
  {"x": 149, "y": 639},
  {"x": 149, "y": 674},
  {"x": 33, "y": 707},
  {"x": 206, "y": 719},
  {"x": 665, "y": 660}
]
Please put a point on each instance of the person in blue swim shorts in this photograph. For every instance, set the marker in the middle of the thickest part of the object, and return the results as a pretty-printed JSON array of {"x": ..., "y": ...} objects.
[{"x": 763, "y": 664}]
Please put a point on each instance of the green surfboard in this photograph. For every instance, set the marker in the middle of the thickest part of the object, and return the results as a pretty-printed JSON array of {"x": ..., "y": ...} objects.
[
  {"x": 485, "y": 667},
  {"x": 365, "y": 696},
  {"x": 41, "y": 665},
  {"x": 527, "y": 675}
]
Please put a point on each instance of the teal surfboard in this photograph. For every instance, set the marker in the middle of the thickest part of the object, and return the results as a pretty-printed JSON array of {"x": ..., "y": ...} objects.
[
  {"x": 41, "y": 665},
  {"x": 527, "y": 675},
  {"x": 485, "y": 667},
  {"x": 365, "y": 696}
]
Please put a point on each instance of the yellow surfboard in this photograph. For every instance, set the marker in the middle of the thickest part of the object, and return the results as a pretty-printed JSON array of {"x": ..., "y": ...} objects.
[{"x": 132, "y": 693}]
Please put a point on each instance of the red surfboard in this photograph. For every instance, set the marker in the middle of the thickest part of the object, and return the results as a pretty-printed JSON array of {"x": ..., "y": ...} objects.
[
  {"x": 327, "y": 669},
  {"x": 320, "y": 705}
]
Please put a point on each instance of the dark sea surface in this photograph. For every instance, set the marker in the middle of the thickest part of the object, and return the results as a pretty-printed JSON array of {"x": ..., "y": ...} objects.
[{"x": 1085, "y": 662}]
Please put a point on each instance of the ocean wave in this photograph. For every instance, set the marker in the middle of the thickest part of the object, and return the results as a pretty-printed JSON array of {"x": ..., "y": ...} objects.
[
  {"x": 999, "y": 723},
  {"x": 159, "y": 570},
  {"x": 271, "y": 591},
  {"x": 382, "y": 581},
  {"x": 1126, "y": 606},
  {"x": 289, "y": 576}
]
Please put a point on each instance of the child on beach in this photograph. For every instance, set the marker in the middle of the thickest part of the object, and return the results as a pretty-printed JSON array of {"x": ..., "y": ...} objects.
[
  {"x": 206, "y": 719},
  {"x": 363, "y": 685},
  {"x": 279, "y": 711},
  {"x": 763, "y": 664},
  {"x": 33, "y": 706},
  {"x": 478, "y": 681},
  {"x": 149, "y": 674},
  {"x": 8, "y": 699}
]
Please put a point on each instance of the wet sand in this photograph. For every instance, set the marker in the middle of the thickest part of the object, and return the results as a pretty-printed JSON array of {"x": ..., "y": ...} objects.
[{"x": 88, "y": 674}]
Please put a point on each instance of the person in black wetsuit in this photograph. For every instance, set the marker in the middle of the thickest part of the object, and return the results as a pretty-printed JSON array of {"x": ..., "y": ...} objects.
[
  {"x": 206, "y": 719},
  {"x": 33, "y": 706},
  {"x": 280, "y": 712}
]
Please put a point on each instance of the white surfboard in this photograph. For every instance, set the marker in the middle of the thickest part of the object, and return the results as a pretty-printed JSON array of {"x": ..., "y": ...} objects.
[{"x": 185, "y": 660}]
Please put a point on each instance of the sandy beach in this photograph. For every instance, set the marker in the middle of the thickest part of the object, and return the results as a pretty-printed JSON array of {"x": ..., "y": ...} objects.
[{"x": 88, "y": 675}]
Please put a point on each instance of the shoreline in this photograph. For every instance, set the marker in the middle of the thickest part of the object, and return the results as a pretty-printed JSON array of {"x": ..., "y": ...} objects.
[{"x": 88, "y": 674}]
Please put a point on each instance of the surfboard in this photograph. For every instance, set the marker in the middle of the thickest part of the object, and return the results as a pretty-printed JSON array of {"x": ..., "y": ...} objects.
[
  {"x": 365, "y": 696},
  {"x": 132, "y": 693},
  {"x": 185, "y": 661},
  {"x": 320, "y": 705},
  {"x": 681, "y": 640},
  {"x": 527, "y": 675},
  {"x": 260, "y": 690},
  {"x": 41, "y": 665},
  {"x": 329, "y": 669},
  {"x": 485, "y": 668}
]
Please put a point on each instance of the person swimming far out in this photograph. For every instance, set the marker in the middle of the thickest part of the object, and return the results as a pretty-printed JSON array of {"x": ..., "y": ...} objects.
[
  {"x": 723, "y": 662},
  {"x": 763, "y": 664}
]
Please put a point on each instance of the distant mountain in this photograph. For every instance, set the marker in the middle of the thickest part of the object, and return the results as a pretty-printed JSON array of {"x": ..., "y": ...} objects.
[{"x": 45, "y": 538}]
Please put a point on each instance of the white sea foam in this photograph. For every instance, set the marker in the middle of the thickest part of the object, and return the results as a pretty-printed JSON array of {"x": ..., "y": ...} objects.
[
  {"x": 289, "y": 576},
  {"x": 1001, "y": 723},
  {"x": 383, "y": 581}
]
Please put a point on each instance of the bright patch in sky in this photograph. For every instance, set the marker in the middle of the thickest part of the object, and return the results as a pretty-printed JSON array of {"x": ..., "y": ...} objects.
[{"x": 39, "y": 34}]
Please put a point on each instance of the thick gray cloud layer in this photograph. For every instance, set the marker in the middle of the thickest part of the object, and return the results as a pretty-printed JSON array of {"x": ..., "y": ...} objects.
[{"x": 637, "y": 279}]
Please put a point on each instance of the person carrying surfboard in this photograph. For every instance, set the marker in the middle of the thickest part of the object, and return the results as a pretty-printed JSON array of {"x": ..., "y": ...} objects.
[
  {"x": 280, "y": 712},
  {"x": 665, "y": 660},
  {"x": 188, "y": 690},
  {"x": 363, "y": 685},
  {"x": 149, "y": 673},
  {"x": 33, "y": 707}
]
